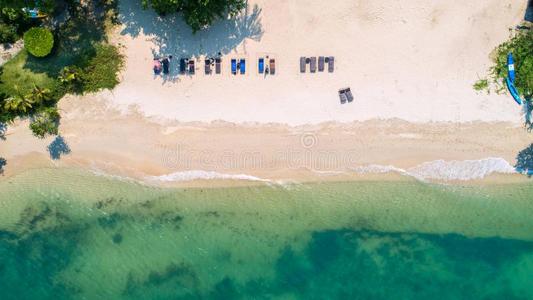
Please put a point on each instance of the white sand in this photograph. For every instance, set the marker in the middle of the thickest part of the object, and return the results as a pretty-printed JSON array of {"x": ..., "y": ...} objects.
[
  {"x": 413, "y": 59},
  {"x": 105, "y": 141}
]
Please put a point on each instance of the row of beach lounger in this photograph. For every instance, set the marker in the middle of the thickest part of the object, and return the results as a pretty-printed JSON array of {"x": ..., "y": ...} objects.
[
  {"x": 312, "y": 61},
  {"x": 237, "y": 66},
  {"x": 264, "y": 65}
]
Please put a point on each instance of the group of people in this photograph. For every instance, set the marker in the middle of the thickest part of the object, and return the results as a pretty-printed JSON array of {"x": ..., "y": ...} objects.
[{"x": 162, "y": 65}]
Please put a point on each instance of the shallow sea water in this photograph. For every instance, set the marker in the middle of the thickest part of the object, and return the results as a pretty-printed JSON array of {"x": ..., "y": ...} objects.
[{"x": 65, "y": 234}]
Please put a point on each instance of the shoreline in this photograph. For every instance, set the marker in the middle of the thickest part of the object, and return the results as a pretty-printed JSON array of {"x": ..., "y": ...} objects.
[
  {"x": 105, "y": 140},
  {"x": 398, "y": 205},
  {"x": 409, "y": 119}
]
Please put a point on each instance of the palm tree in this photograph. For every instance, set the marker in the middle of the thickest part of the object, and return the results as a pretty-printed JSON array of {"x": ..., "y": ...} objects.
[
  {"x": 40, "y": 94},
  {"x": 12, "y": 103},
  {"x": 18, "y": 104},
  {"x": 68, "y": 75}
]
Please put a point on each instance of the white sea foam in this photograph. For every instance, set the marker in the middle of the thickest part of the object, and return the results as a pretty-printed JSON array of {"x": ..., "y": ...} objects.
[
  {"x": 378, "y": 169},
  {"x": 447, "y": 170},
  {"x": 462, "y": 170},
  {"x": 202, "y": 175},
  {"x": 98, "y": 172}
]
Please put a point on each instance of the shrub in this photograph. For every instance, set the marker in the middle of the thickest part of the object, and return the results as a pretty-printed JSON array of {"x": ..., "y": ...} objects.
[
  {"x": 101, "y": 70},
  {"x": 38, "y": 41},
  {"x": 481, "y": 84},
  {"x": 45, "y": 122},
  {"x": 8, "y": 33}
]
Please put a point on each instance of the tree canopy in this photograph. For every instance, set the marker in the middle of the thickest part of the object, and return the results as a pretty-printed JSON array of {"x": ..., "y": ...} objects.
[
  {"x": 198, "y": 14},
  {"x": 39, "y": 41},
  {"x": 521, "y": 46}
]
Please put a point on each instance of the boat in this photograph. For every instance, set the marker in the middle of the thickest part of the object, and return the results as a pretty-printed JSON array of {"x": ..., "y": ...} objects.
[{"x": 513, "y": 91}]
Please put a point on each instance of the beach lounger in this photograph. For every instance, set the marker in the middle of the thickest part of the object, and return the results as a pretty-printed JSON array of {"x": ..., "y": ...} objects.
[
  {"x": 321, "y": 63},
  {"x": 342, "y": 96},
  {"x": 349, "y": 95},
  {"x": 208, "y": 67},
  {"x": 218, "y": 62},
  {"x": 302, "y": 64},
  {"x": 312, "y": 64},
  {"x": 331, "y": 64},
  {"x": 191, "y": 67},
  {"x": 261, "y": 65},
  {"x": 166, "y": 65},
  {"x": 233, "y": 66},
  {"x": 242, "y": 66},
  {"x": 272, "y": 65},
  {"x": 183, "y": 65},
  {"x": 157, "y": 67}
]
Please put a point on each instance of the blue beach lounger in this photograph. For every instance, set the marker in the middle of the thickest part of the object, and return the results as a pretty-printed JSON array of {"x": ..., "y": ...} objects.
[
  {"x": 233, "y": 66},
  {"x": 261, "y": 65},
  {"x": 242, "y": 64}
]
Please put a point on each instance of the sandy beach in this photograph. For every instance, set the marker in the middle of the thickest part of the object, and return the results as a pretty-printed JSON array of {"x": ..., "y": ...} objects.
[
  {"x": 105, "y": 141},
  {"x": 411, "y": 60},
  {"x": 410, "y": 65},
  {"x": 267, "y": 187}
]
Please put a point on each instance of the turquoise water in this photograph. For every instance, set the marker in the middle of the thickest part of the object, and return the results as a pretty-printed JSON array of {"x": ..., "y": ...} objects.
[{"x": 70, "y": 235}]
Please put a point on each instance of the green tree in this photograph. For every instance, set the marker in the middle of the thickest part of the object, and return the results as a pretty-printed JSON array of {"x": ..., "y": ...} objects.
[
  {"x": 521, "y": 46},
  {"x": 69, "y": 75},
  {"x": 45, "y": 122},
  {"x": 18, "y": 104},
  {"x": 39, "y": 41},
  {"x": 198, "y": 14},
  {"x": 39, "y": 94},
  {"x": 8, "y": 33}
]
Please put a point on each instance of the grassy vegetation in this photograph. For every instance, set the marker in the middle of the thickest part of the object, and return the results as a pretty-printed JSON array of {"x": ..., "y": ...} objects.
[
  {"x": 481, "y": 85},
  {"x": 101, "y": 70},
  {"x": 17, "y": 78},
  {"x": 31, "y": 86}
]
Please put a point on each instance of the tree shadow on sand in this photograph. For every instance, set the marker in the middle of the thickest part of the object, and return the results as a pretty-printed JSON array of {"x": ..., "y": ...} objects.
[
  {"x": 3, "y": 163},
  {"x": 172, "y": 36},
  {"x": 3, "y": 129},
  {"x": 58, "y": 147},
  {"x": 529, "y": 11},
  {"x": 524, "y": 161}
]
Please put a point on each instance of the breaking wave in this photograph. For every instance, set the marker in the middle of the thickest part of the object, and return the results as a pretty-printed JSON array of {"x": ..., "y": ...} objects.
[
  {"x": 447, "y": 170},
  {"x": 202, "y": 175}
]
